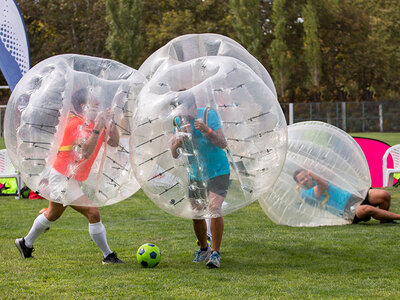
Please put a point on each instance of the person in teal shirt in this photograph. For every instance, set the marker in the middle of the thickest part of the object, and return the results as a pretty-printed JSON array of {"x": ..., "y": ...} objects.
[
  {"x": 333, "y": 199},
  {"x": 319, "y": 192},
  {"x": 209, "y": 170}
]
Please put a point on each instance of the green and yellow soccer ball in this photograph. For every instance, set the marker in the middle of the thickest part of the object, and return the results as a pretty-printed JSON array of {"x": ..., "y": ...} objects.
[{"x": 148, "y": 255}]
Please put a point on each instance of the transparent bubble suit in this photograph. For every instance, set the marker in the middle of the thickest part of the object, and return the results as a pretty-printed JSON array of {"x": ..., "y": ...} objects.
[
  {"x": 190, "y": 46},
  {"x": 38, "y": 112},
  {"x": 251, "y": 120},
  {"x": 331, "y": 156}
]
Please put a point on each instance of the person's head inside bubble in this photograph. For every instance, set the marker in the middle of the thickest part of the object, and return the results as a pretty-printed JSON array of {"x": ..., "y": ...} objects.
[
  {"x": 303, "y": 179},
  {"x": 85, "y": 103},
  {"x": 79, "y": 100},
  {"x": 186, "y": 112}
]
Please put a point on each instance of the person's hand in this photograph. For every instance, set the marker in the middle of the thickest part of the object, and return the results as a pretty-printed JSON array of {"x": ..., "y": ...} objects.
[
  {"x": 176, "y": 143},
  {"x": 177, "y": 139},
  {"x": 200, "y": 126},
  {"x": 100, "y": 121},
  {"x": 110, "y": 114},
  {"x": 186, "y": 127}
]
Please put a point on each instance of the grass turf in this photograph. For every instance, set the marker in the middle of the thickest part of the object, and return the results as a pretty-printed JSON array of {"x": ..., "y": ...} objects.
[{"x": 259, "y": 259}]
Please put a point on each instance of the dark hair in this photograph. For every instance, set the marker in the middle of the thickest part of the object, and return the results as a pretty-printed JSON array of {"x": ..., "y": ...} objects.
[
  {"x": 186, "y": 98},
  {"x": 79, "y": 98},
  {"x": 24, "y": 98},
  {"x": 297, "y": 172}
]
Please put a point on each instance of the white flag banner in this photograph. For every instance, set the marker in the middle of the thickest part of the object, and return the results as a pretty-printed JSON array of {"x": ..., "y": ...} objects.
[{"x": 14, "y": 46}]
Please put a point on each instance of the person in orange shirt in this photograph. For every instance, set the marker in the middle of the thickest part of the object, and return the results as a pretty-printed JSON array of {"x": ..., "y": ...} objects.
[{"x": 84, "y": 135}]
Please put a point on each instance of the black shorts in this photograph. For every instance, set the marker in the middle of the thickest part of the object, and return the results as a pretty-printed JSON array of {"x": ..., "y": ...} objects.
[
  {"x": 365, "y": 202},
  {"x": 218, "y": 185}
]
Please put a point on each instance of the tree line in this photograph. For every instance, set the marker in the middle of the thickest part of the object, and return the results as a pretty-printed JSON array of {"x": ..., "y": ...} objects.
[{"x": 332, "y": 50}]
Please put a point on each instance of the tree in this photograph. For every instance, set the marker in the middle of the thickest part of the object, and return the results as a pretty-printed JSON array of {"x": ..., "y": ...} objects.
[
  {"x": 64, "y": 26},
  {"x": 358, "y": 40},
  {"x": 385, "y": 39},
  {"x": 168, "y": 19},
  {"x": 350, "y": 58},
  {"x": 125, "y": 39},
  {"x": 312, "y": 51},
  {"x": 281, "y": 57},
  {"x": 247, "y": 24}
]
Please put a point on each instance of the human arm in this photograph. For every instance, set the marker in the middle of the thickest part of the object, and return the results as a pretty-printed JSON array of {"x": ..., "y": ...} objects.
[
  {"x": 321, "y": 185},
  {"x": 113, "y": 139},
  {"x": 176, "y": 143},
  {"x": 182, "y": 129},
  {"x": 113, "y": 134},
  {"x": 88, "y": 145},
  {"x": 216, "y": 137}
]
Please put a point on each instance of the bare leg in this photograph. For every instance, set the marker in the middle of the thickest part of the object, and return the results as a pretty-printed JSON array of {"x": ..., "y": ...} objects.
[
  {"x": 217, "y": 229},
  {"x": 379, "y": 198},
  {"x": 217, "y": 223},
  {"x": 364, "y": 211},
  {"x": 54, "y": 211},
  {"x": 200, "y": 230},
  {"x": 91, "y": 213}
]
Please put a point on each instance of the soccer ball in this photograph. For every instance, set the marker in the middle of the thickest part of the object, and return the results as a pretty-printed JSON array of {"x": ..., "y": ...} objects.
[{"x": 148, "y": 255}]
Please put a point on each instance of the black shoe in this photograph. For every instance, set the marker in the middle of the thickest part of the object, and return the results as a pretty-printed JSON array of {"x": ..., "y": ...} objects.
[
  {"x": 390, "y": 222},
  {"x": 25, "y": 251},
  {"x": 112, "y": 259}
]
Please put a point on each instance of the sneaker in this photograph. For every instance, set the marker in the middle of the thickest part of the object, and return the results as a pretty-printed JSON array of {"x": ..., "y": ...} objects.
[
  {"x": 25, "y": 251},
  {"x": 112, "y": 259},
  {"x": 214, "y": 260},
  {"x": 202, "y": 255}
]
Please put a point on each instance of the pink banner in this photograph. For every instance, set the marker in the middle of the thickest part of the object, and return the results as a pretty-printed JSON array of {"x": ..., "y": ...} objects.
[{"x": 374, "y": 151}]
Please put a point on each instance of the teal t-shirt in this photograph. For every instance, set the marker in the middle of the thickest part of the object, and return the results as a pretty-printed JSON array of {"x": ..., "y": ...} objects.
[
  {"x": 334, "y": 197},
  {"x": 211, "y": 161}
]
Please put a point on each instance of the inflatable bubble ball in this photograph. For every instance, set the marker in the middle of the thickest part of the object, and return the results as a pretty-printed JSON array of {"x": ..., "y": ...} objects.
[
  {"x": 67, "y": 129},
  {"x": 209, "y": 137},
  {"x": 190, "y": 46},
  {"x": 324, "y": 178}
]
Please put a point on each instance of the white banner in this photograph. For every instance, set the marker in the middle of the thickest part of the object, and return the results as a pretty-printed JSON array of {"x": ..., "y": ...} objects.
[{"x": 14, "y": 46}]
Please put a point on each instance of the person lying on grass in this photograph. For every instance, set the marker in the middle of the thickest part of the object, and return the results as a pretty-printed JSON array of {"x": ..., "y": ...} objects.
[{"x": 319, "y": 192}]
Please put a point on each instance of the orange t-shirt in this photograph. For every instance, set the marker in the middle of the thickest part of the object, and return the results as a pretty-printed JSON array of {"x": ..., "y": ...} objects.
[{"x": 67, "y": 161}]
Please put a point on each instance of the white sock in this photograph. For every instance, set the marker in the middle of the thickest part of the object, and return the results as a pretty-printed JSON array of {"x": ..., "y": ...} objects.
[
  {"x": 208, "y": 221},
  {"x": 98, "y": 233},
  {"x": 39, "y": 226}
]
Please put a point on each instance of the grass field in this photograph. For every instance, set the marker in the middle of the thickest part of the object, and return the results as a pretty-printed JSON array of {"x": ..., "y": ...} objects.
[{"x": 259, "y": 259}]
